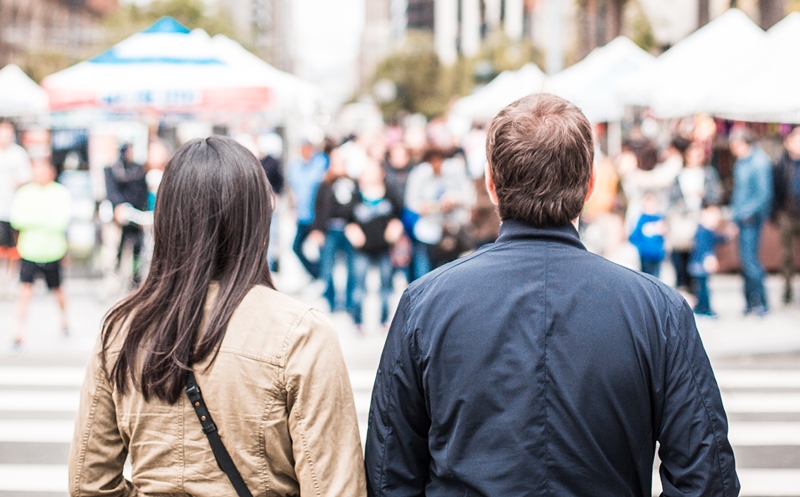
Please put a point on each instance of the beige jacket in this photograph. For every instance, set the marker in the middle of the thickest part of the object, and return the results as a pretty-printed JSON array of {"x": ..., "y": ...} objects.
[{"x": 278, "y": 392}]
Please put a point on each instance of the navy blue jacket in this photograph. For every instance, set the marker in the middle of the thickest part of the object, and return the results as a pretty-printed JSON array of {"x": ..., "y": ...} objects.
[{"x": 535, "y": 368}]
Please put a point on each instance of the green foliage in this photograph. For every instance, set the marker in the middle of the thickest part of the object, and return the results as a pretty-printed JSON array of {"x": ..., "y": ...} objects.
[
  {"x": 193, "y": 14},
  {"x": 637, "y": 27},
  {"x": 426, "y": 86},
  {"x": 41, "y": 63}
]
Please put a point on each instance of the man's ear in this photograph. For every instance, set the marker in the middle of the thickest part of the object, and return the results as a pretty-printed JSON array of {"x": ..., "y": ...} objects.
[
  {"x": 590, "y": 190},
  {"x": 490, "y": 184}
]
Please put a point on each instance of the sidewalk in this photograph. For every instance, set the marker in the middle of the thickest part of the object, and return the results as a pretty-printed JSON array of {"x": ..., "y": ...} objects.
[
  {"x": 734, "y": 334},
  {"x": 730, "y": 335}
]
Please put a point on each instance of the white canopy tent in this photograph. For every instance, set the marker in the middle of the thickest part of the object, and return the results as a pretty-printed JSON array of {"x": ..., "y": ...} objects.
[
  {"x": 591, "y": 83},
  {"x": 20, "y": 96},
  {"x": 507, "y": 87},
  {"x": 483, "y": 104},
  {"x": 683, "y": 78},
  {"x": 771, "y": 91},
  {"x": 168, "y": 68},
  {"x": 290, "y": 93}
]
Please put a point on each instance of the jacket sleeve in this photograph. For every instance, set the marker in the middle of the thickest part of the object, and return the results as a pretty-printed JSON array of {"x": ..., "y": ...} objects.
[
  {"x": 322, "y": 415},
  {"x": 97, "y": 453},
  {"x": 696, "y": 456},
  {"x": 397, "y": 455}
]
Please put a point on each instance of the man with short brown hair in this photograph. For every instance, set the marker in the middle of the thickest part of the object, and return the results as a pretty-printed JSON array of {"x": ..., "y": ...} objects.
[{"x": 533, "y": 367}]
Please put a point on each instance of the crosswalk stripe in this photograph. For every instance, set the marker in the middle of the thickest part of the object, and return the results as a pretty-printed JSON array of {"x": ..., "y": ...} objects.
[
  {"x": 36, "y": 431},
  {"x": 363, "y": 379},
  {"x": 743, "y": 391},
  {"x": 33, "y": 478},
  {"x": 761, "y": 433},
  {"x": 40, "y": 400},
  {"x": 47, "y": 376},
  {"x": 758, "y": 482},
  {"x": 742, "y": 434},
  {"x": 758, "y": 378},
  {"x": 758, "y": 402}
]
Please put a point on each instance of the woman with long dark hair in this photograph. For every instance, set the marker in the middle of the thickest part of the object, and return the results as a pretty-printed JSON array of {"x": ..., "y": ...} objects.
[{"x": 269, "y": 369}]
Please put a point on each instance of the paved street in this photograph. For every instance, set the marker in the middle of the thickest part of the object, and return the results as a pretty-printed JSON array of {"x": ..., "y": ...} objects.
[{"x": 757, "y": 363}]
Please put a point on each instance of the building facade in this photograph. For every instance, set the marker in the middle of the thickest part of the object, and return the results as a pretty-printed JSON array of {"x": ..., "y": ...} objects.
[
  {"x": 35, "y": 34},
  {"x": 266, "y": 24}
]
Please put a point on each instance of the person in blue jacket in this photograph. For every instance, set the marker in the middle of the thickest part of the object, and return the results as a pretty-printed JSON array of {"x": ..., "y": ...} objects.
[
  {"x": 752, "y": 205},
  {"x": 648, "y": 236},
  {"x": 703, "y": 259},
  {"x": 534, "y": 367}
]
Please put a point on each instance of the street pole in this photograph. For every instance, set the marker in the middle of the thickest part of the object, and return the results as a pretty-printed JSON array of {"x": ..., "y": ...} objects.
[{"x": 555, "y": 43}]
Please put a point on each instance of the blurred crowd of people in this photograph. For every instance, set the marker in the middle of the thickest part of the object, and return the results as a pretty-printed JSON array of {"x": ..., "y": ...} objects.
[
  {"x": 407, "y": 200},
  {"x": 670, "y": 204},
  {"x": 387, "y": 202}
]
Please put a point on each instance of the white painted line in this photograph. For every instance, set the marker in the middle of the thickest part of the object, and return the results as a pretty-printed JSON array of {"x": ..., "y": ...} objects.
[
  {"x": 742, "y": 378},
  {"x": 363, "y": 400},
  {"x": 759, "y": 482},
  {"x": 764, "y": 433},
  {"x": 40, "y": 400},
  {"x": 33, "y": 478},
  {"x": 44, "y": 376},
  {"x": 757, "y": 402},
  {"x": 362, "y": 379},
  {"x": 36, "y": 431}
]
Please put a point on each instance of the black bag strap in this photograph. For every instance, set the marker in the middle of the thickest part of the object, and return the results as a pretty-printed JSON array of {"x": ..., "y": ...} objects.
[{"x": 224, "y": 460}]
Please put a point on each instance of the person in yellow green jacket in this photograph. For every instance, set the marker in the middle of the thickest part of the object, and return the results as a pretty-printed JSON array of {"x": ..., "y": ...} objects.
[{"x": 41, "y": 213}]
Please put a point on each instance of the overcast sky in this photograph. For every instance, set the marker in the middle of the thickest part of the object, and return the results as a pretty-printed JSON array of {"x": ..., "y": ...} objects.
[{"x": 328, "y": 35}]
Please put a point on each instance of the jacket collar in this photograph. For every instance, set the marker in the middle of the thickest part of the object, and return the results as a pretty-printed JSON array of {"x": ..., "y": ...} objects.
[{"x": 512, "y": 229}]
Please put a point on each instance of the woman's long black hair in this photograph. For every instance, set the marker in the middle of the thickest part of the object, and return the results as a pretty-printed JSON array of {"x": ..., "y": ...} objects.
[{"x": 212, "y": 220}]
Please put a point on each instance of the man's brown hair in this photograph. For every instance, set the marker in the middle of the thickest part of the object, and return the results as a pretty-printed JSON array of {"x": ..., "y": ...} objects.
[{"x": 540, "y": 151}]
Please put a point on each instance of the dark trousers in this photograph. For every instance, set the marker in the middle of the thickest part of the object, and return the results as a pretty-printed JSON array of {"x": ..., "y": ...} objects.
[
  {"x": 361, "y": 264},
  {"x": 703, "y": 295},
  {"x": 753, "y": 272},
  {"x": 303, "y": 229},
  {"x": 680, "y": 261},
  {"x": 651, "y": 267},
  {"x": 420, "y": 260},
  {"x": 134, "y": 236},
  {"x": 336, "y": 243},
  {"x": 790, "y": 230}
]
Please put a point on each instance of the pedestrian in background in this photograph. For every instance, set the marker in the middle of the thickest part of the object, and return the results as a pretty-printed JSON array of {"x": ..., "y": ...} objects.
[
  {"x": 271, "y": 151},
  {"x": 304, "y": 175},
  {"x": 332, "y": 209},
  {"x": 207, "y": 323},
  {"x": 751, "y": 204},
  {"x": 41, "y": 213},
  {"x": 648, "y": 236},
  {"x": 703, "y": 259},
  {"x": 697, "y": 184},
  {"x": 126, "y": 189},
  {"x": 533, "y": 367},
  {"x": 15, "y": 170},
  {"x": 440, "y": 193},
  {"x": 374, "y": 226},
  {"x": 787, "y": 204}
]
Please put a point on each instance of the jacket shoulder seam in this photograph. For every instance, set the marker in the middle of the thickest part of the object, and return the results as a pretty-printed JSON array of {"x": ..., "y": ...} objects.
[{"x": 704, "y": 402}]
